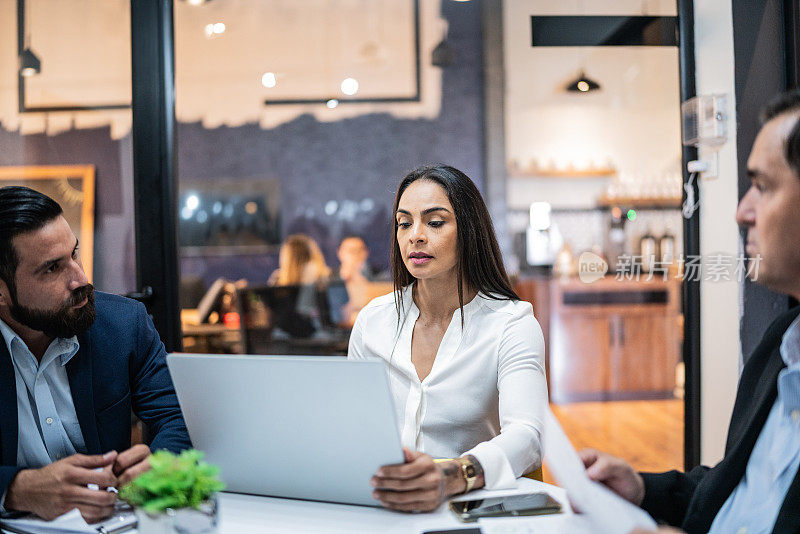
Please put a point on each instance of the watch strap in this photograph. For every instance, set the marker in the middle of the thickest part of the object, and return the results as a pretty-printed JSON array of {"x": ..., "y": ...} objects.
[{"x": 468, "y": 471}]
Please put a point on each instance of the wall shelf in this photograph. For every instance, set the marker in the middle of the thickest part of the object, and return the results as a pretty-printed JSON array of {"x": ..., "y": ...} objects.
[
  {"x": 600, "y": 172},
  {"x": 640, "y": 202}
]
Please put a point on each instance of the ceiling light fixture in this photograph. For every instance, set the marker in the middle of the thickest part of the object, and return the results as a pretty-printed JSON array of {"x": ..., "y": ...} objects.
[
  {"x": 213, "y": 30},
  {"x": 349, "y": 86},
  {"x": 582, "y": 84},
  {"x": 269, "y": 80},
  {"x": 29, "y": 63}
]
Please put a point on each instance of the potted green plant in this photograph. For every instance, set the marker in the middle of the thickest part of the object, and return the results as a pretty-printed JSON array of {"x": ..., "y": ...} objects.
[{"x": 177, "y": 494}]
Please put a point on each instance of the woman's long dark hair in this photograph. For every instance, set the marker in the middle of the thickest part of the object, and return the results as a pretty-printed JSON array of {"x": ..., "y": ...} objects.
[{"x": 480, "y": 263}]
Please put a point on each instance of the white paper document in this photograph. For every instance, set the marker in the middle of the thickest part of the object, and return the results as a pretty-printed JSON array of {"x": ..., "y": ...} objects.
[
  {"x": 552, "y": 524},
  {"x": 71, "y": 523},
  {"x": 607, "y": 512}
]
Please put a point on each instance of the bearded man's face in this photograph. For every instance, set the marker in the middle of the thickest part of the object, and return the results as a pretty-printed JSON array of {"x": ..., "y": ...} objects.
[{"x": 50, "y": 293}]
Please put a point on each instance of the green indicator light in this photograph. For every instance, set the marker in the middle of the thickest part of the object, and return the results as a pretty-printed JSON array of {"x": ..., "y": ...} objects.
[{"x": 631, "y": 215}]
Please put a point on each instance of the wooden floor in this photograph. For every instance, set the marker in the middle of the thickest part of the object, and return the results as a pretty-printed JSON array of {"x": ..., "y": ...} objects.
[{"x": 648, "y": 434}]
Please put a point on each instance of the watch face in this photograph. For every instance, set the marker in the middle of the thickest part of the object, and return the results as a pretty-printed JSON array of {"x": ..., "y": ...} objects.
[{"x": 470, "y": 471}]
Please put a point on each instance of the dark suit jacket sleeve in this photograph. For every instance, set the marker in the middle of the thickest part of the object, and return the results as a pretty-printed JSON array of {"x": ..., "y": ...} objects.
[
  {"x": 7, "y": 474},
  {"x": 667, "y": 495},
  {"x": 154, "y": 398}
]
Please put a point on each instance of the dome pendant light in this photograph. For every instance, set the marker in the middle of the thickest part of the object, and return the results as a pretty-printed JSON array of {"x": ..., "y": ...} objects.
[
  {"x": 29, "y": 64},
  {"x": 582, "y": 84}
]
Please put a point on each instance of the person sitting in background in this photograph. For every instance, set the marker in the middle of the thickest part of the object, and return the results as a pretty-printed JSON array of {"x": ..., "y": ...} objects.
[
  {"x": 353, "y": 271},
  {"x": 756, "y": 486},
  {"x": 74, "y": 362},
  {"x": 300, "y": 262},
  {"x": 353, "y": 255},
  {"x": 465, "y": 355}
]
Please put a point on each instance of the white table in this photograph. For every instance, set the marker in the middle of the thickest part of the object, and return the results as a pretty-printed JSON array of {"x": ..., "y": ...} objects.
[{"x": 249, "y": 514}]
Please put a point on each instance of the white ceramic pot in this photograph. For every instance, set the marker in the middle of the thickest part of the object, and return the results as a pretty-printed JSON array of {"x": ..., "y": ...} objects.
[{"x": 181, "y": 521}]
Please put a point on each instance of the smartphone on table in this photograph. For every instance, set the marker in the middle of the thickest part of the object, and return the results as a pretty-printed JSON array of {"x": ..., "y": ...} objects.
[{"x": 512, "y": 505}]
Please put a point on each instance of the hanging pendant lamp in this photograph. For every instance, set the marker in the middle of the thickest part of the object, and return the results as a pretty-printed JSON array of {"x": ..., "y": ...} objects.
[
  {"x": 582, "y": 84},
  {"x": 29, "y": 63}
]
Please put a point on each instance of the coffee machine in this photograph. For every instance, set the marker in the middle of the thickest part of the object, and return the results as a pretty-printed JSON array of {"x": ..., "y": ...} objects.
[{"x": 542, "y": 238}]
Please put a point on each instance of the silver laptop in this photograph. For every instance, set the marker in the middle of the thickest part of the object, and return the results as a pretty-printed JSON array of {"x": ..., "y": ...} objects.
[{"x": 305, "y": 427}]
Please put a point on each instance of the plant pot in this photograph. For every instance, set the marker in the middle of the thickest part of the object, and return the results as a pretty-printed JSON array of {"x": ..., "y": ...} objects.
[{"x": 202, "y": 520}]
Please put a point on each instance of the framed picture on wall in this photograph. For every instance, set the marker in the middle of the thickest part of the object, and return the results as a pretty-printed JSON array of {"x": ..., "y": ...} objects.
[{"x": 72, "y": 186}]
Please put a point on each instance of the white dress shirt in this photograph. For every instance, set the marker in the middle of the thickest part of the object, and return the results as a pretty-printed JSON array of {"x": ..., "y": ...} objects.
[
  {"x": 48, "y": 427},
  {"x": 486, "y": 393},
  {"x": 47, "y": 424}
]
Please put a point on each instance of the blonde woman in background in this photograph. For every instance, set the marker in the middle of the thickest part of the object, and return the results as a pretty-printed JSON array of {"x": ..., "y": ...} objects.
[{"x": 300, "y": 263}]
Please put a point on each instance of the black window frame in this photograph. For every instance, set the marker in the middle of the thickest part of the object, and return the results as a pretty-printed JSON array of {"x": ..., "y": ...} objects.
[{"x": 155, "y": 186}]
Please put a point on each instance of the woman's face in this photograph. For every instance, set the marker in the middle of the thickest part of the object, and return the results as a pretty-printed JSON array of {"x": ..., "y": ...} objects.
[{"x": 426, "y": 231}]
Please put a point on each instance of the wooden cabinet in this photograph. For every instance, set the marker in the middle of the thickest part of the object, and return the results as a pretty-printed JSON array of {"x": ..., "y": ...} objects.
[
  {"x": 613, "y": 339},
  {"x": 642, "y": 362},
  {"x": 584, "y": 339}
]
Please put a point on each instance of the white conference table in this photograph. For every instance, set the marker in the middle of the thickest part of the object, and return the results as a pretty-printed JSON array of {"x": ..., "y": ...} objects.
[{"x": 250, "y": 514}]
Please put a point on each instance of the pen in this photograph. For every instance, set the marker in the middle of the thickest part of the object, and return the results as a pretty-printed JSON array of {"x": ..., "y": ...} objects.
[{"x": 125, "y": 524}]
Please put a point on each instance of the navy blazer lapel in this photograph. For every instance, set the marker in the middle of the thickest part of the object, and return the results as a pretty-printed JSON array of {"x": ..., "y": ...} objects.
[
  {"x": 788, "y": 521},
  {"x": 79, "y": 371},
  {"x": 8, "y": 408},
  {"x": 720, "y": 482},
  {"x": 763, "y": 398}
]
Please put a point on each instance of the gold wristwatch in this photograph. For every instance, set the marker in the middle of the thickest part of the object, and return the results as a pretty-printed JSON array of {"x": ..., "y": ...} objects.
[{"x": 468, "y": 471}]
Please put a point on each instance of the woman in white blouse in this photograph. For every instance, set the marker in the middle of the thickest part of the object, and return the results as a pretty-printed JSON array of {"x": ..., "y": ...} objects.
[{"x": 465, "y": 354}]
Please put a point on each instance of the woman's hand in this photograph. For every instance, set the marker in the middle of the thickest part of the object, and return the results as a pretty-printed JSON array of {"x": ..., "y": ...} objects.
[{"x": 419, "y": 485}]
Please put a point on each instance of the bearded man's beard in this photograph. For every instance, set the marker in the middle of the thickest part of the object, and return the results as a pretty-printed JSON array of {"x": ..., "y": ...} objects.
[{"x": 62, "y": 322}]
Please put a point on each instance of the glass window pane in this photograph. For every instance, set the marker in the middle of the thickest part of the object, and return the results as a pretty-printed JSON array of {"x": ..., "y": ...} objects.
[
  {"x": 593, "y": 145},
  {"x": 65, "y": 125},
  {"x": 301, "y": 118}
]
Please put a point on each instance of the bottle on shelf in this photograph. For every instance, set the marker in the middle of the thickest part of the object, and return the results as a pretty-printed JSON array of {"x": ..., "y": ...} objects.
[
  {"x": 614, "y": 239},
  {"x": 565, "y": 262},
  {"x": 648, "y": 250},
  {"x": 666, "y": 246}
]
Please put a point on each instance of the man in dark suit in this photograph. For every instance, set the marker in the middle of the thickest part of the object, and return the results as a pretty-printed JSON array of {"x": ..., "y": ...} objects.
[
  {"x": 756, "y": 487},
  {"x": 73, "y": 363}
]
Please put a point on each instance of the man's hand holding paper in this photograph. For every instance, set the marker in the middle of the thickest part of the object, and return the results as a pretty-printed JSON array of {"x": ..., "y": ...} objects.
[
  {"x": 607, "y": 512},
  {"x": 614, "y": 473}
]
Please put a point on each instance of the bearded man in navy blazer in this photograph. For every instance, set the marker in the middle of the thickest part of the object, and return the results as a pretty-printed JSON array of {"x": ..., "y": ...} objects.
[
  {"x": 756, "y": 486},
  {"x": 73, "y": 364}
]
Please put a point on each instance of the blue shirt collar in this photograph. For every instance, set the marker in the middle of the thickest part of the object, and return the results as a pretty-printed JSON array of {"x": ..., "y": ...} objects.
[
  {"x": 66, "y": 347},
  {"x": 789, "y": 378},
  {"x": 790, "y": 344}
]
